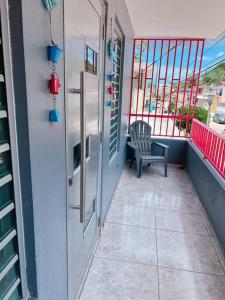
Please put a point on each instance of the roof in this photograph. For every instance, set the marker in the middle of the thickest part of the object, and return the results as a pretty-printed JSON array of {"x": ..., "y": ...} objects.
[{"x": 177, "y": 18}]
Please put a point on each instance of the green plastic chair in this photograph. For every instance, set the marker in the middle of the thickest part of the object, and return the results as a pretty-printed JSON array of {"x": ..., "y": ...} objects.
[{"x": 141, "y": 143}]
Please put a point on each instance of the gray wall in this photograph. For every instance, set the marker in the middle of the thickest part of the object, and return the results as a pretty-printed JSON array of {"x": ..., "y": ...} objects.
[
  {"x": 47, "y": 143},
  {"x": 210, "y": 187},
  {"x": 111, "y": 171},
  {"x": 16, "y": 30},
  {"x": 47, "y": 151},
  {"x": 177, "y": 151}
]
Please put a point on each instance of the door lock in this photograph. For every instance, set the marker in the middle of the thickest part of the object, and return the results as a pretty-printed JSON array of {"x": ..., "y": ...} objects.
[{"x": 70, "y": 180}]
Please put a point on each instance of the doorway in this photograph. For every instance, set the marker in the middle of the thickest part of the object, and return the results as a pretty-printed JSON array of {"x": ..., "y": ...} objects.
[{"x": 83, "y": 80}]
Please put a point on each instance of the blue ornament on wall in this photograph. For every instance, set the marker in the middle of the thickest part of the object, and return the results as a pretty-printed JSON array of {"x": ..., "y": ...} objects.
[
  {"x": 54, "y": 53},
  {"x": 54, "y": 116},
  {"x": 50, "y": 4},
  {"x": 110, "y": 76},
  {"x": 109, "y": 103}
]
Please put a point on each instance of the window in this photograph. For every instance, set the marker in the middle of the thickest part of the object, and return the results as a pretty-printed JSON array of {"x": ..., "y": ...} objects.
[
  {"x": 10, "y": 277},
  {"x": 90, "y": 61},
  {"x": 117, "y": 96}
]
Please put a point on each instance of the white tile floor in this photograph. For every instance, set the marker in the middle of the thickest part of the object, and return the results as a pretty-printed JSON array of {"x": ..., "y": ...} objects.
[{"x": 155, "y": 243}]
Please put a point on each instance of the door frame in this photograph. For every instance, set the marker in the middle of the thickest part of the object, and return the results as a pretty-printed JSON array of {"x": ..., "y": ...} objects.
[
  {"x": 7, "y": 57},
  {"x": 102, "y": 76}
]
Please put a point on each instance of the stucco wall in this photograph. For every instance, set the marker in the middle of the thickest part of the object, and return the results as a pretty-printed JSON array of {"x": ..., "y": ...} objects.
[
  {"x": 47, "y": 151},
  {"x": 210, "y": 187},
  {"x": 48, "y": 147},
  {"x": 111, "y": 171}
]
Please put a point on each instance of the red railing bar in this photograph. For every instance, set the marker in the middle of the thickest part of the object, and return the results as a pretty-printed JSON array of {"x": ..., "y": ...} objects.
[
  {"x": 162, "y": 116},
  {"x": 157, "y": 95},
  {"x": 131, "y": 86},
  {"x": 153, "y": 68},
  {"x": 199, "y": 71},
  {"x": 178, "y": 87},
  {"x": 171, "y": 87},
  {"x": 139, "y": 74},
  {"x": 186, "y": 77},
  {"x": 211, "y": 143},
  {"x": 164, "y": 87},
  {"x": 165, "y": 38},
  {"x": 146, "y": 70},
  {"x": 193, "y": 78}
]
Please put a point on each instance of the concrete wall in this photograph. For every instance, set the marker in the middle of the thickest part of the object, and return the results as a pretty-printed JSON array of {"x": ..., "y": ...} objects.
[
  {"x": 47, "y": 151},
  {"x": 210, "y": 187},
  {"x": 177, "y": 151},
  {"x": 111, "y": 171}
]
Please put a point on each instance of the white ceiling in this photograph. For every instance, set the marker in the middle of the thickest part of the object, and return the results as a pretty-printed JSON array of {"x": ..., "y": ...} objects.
[{"x": 177, "y": 18}]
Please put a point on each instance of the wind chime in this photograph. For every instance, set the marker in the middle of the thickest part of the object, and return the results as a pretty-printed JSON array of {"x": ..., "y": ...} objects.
[
  {"x": 54, "y": 55},
  {"x": 110, "y": 76}
]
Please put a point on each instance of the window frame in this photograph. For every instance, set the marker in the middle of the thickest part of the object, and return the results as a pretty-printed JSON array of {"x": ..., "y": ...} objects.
[{"x": 117, "y": 31}]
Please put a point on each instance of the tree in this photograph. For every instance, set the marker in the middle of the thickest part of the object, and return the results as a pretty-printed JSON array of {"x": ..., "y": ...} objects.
[
  {"x": 215, "y": 76},
  {"x": 201, "y": 114}
]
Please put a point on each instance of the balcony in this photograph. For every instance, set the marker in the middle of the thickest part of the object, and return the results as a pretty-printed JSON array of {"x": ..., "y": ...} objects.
[
  {"x": 157, "y": 242},
  {"x": 75, "y": 222}
]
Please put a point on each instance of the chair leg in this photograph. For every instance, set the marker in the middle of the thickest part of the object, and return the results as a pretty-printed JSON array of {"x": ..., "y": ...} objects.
[
  {"x": 165, "y": 161},
  {"x": 165, "y": 168},
  {"x": 139, "y": 167},
  {"x": 131, "y": 163}
]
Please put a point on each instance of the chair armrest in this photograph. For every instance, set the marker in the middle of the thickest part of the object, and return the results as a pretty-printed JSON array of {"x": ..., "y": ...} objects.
[
  {"x": 161, "y": 145},
  {"x": 132, "y": 145}
]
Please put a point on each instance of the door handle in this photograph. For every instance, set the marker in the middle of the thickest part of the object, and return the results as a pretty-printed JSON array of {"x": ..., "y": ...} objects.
[
  {"x": 81, "y": 92},
  {"x": 83, "y": 145}
]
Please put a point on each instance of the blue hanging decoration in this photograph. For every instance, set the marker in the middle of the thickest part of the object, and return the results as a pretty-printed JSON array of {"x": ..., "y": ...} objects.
[
  {"x": 110, "y": 76},
  {"x": 54, "y": 53},
  {"x": 109, "y": 103},
  {"x": 50, "y": 4},
  {"x": 54, "y": 116}
]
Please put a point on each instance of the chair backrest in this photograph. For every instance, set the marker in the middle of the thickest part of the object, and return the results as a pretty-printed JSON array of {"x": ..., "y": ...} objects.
[{"x": 140, "y": 134}]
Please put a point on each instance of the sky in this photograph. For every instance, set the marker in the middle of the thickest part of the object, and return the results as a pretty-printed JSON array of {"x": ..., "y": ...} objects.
[{"x": 214, "y": 52}]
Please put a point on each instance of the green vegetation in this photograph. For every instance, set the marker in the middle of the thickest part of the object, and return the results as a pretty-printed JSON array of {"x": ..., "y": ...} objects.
[
  {"x": 201, "y": 114},
  {"x": 172, "y": 108},
  {"x": 215, "y": 76}
]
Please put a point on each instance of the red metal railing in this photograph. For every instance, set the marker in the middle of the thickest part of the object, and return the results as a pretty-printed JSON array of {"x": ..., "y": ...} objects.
[
  {"x": 211, "y": 143},
  {"x": 164, "y": 86}
]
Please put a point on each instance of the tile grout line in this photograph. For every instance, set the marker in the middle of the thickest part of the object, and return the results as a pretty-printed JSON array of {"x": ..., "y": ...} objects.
[
  {"x": 210, "y": 230},
  {"x": 160, "y": 266},
  {"x": 159, "y": 229},
  {"x": 156, "y": 237}
]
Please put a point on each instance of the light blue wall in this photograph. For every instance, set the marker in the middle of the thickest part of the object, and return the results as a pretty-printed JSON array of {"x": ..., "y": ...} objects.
[
  {"x": 47, "y": 151},
  {"x": 111, "y": 171}
]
